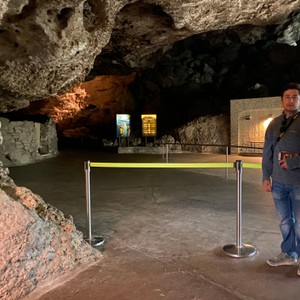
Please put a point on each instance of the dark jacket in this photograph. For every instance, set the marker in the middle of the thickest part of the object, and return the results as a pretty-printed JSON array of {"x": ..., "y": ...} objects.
[{"x": 289, "y": 142}]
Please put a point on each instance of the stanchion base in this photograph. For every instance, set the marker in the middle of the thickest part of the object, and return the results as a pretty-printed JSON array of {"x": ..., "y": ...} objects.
[
  {"x": 239, "y": 252},
  {"x": 96, "y": 241}
]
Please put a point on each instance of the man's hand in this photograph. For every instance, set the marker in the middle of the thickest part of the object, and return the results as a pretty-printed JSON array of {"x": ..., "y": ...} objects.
[
  {"x": 283, "y": 164},
  {"x": 267, "y": 187}
]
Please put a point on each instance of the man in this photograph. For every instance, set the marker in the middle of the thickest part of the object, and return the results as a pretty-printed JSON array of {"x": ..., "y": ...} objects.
[{"x": 281, "y": 174}]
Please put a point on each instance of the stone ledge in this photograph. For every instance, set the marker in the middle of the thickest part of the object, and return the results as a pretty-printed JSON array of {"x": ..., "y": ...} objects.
[
  {"x": 148, "y": 150},
  {"x": 143, "y": 150}
]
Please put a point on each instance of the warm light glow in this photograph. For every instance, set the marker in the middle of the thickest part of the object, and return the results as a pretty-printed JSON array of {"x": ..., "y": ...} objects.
[{"x": 267, "y": 122}]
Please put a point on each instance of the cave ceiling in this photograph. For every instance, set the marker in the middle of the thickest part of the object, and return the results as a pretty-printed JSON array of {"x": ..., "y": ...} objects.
[{"x": 47, "y": 47}]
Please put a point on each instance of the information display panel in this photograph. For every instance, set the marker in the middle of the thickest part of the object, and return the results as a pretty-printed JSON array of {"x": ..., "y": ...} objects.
[
  {"x": 149, "y": 125},
  {"x": 123, "y": 125}
]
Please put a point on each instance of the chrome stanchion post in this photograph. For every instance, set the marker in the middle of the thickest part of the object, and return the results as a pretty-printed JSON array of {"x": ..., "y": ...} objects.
[
  {"x": 96, "y": 240},
  {"x": 88, "y": 200},
  {"x": 226, "y": 171},
  {"x": 239, "y": 170},
  {"x": 239, "y": 250}
]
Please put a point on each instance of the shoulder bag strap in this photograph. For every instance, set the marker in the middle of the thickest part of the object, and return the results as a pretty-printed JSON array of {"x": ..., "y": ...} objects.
[{"x": 287, "y": 126}]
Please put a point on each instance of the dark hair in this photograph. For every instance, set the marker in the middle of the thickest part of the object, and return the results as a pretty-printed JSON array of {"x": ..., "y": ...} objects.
[{"x": 291, "y": 86}]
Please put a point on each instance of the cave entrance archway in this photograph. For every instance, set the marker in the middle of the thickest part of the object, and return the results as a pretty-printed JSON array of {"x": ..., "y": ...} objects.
[
  {"x": 252, "y": 125},
  {"x": 247, "y": 122}
]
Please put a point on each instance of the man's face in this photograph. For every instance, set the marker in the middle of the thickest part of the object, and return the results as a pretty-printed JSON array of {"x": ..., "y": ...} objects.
[{"x": 290, "y": 100}]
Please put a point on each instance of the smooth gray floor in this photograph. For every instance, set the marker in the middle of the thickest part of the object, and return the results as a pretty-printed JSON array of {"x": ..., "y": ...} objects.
[{"x": 164, "y": 229}]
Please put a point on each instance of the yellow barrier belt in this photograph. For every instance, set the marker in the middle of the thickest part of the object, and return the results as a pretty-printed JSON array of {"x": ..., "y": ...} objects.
[
  {"x": 170, "y": 165},
  {"x": 251, "y": 166}
]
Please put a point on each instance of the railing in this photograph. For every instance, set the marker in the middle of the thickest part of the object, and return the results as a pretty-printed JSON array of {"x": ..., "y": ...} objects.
[
  {"x": 166, "y": 150},
  {"x": 237, "y": 250}
]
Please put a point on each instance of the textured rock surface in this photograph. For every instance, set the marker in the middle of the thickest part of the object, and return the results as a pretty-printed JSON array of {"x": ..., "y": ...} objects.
[
  {"x": 37, "y": 241},
  {"x": 205, "y": 130},
  {"x": 27, "y": 142},
  {"x": 166, "y": 23},
  {"x": 49, "y": 46}
]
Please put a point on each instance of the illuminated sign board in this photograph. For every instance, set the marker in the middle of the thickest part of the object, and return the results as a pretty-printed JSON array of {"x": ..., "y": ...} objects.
[
  {"x": 149, "y": 125},
  {"x": 123, "y": 125}
]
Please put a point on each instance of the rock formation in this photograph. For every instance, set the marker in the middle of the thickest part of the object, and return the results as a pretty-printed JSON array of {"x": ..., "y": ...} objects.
[
  {"x": 50, "y": 47},
  {"x": 37, "y": 240},
  {"x": 212, "y": 132},
  {"x": 47, "y": 47},
  {"x": 35, "y": 244}
]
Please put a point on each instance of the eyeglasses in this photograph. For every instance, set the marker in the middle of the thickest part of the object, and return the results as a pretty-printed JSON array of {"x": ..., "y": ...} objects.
[{"x": 296, "y": 97}]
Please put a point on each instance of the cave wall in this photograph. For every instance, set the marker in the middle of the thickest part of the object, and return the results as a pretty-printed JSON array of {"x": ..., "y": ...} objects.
[
  {"x": 211, "y": 131},
  {"x": 27, "y": 142},
  {"x": 49, "y": 47},
  {"x": 200, "y": 75},
  {"x": 193, "y": 78}
]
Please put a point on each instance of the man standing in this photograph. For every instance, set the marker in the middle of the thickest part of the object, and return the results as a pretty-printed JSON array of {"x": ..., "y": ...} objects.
[{"x": 281, "y": 174}]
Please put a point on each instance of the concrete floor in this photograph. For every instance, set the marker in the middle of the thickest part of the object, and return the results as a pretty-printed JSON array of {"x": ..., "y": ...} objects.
[{"x": 164, "y": 229}]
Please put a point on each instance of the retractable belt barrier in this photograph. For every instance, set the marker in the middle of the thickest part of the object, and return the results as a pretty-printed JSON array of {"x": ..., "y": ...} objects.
[
  {"x": 170, "y": 165},
  {"x": 237, "y": 250}
]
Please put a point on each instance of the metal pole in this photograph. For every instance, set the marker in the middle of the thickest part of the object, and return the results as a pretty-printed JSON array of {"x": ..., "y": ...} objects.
[
  {"x": 239, "y": 174},
  {"x": 88, "y": 200},
  {"x": 226, "y": 171},
  {"x": 239, "y": 250},
  {"x": 167, "y": 153},
  {"x": 96, "y": 240}
]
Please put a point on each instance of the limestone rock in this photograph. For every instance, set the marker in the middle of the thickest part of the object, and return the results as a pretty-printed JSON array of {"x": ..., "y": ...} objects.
[
  {"x": 205, "y": 134},
  {"x": 47, "y": 47},
  {"x": 37, "y": 241}
]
